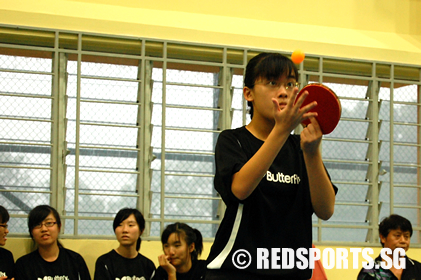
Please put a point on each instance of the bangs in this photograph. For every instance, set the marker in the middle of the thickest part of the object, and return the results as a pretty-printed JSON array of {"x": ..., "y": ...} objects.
[
  {"x": 40, "y": 213},
  {"x": 40, "y": 216},
  {"x": 124, "y": 213},
  {"x": 177, "y": 234},
  {"x": 274, "y": 67},
  {"x": 176, "y": 229},
  {"x": 166, "y": 235}
]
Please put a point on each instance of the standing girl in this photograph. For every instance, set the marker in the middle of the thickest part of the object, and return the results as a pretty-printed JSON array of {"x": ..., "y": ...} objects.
[
  {"x": 126, "y": 262},
  {"x": 270, "y": 180},
  {"x": 50, "y": 260},
  {"x": 182, "y": 245}
]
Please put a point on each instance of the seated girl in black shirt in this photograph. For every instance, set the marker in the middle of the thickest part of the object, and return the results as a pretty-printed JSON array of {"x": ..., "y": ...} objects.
[
  {"x": 50, "y": 260},
  {"x": 125, "y": 262},
  {"x": 182, "y": 245}
]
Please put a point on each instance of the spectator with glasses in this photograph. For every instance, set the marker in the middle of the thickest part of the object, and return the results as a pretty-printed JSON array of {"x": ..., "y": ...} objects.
[
  {"x": 6, "y": 257},
  {"x": 270, "y": 180},
  {"x": 51, "y": 260}
]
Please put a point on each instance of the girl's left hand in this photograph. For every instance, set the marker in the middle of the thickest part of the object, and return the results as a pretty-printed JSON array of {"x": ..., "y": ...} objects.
[{"x": 311, "y": 137}]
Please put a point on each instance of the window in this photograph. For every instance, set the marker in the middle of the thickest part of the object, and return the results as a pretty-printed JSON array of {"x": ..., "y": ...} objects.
[{"x": 91, "y": 124}]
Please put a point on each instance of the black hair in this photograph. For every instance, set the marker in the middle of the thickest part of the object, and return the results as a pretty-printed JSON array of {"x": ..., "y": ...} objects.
[
  {"x": 190, "y": 235},
  {"x": 4, "y": 215},
  {"x": 39, "y": 214},
  {"x": 270, "y": 66},
  {"x": 393, "y": 222},
  {"x": 124, "y": 214}
]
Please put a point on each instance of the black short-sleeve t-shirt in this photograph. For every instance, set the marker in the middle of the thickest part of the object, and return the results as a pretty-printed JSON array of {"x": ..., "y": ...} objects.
[
  {"x": 278, "y": 214},
  {"x": 112, "y": 266}
]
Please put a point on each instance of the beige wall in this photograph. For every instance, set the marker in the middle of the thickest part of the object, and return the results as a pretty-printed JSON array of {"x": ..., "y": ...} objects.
[
  {"x": 92, "y": 249},
  {"x": 370, "y": 29}
]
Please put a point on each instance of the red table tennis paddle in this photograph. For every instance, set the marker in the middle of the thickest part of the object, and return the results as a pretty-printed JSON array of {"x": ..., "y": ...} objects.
[{"x": 328, "y": 106}]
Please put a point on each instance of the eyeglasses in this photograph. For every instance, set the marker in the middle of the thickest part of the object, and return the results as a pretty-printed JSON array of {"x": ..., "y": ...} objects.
[
  {"x": 5, "y": 226},
  {"x": 47, "y": 224},
  {"x": 276, "y": 85}
]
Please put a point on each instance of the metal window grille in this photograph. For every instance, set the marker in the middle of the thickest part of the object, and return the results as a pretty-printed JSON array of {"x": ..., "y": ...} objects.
[{"x": 92, "y": 123}]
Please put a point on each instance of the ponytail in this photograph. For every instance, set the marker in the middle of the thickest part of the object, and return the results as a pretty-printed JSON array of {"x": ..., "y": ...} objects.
[{"x": 198, "y": 245}]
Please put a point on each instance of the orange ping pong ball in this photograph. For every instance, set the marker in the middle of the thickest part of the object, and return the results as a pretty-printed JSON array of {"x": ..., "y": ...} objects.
[{"x": 297, "y": 56}]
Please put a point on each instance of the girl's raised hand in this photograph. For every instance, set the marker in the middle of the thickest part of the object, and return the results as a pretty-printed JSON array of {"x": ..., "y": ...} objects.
[
  {"x": 166, "y": 265},
  {"x": 311, "y": 137},
  {"x": 292, "y": 114}
]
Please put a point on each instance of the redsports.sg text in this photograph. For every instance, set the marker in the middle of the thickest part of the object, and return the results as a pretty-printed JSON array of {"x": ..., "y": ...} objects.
[{"x": 302, "y": 258}]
